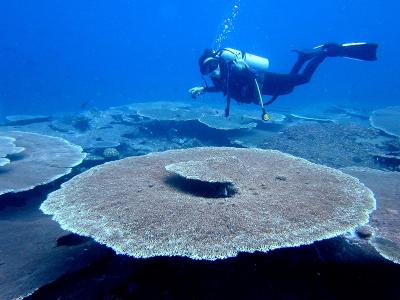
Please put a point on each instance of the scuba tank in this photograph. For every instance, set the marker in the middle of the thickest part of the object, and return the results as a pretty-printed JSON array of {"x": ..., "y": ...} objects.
[{"x": 255, "y": 62}]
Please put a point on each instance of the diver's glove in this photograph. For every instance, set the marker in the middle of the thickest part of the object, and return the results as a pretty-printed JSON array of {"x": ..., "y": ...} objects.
[{"x": 196, "y": 91}]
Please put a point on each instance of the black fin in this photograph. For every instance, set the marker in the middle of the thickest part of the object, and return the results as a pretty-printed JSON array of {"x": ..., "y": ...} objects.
[{"x": 361, "y": 51}]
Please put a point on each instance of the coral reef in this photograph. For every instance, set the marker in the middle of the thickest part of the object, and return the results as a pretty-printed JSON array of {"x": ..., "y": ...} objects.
[
  {"x": 208, "y": 170},
  {"x": 293, "y": 117},
  {"x": 335, "y": 145},
  {"x": 30, "y": 257},
  {"x": 110, "y": 153},
  {"x": 43, "y": 160},
  {"x": 390, "y": 161},
  {"x": 139, "y": 208},
  {"x": 7, "y": 147},
  {"x": 26, "y": 119},
  {"x": 207, "y": 178},
  {"x": 387, "y": 120},
  {"x": 386, "y": 219},
  {"x": 213, "y": 118},
  {"x": 141, "y": 128}
]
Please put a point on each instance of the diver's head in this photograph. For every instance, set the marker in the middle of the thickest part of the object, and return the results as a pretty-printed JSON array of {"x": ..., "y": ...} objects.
[{"x": 208, "y": 62}]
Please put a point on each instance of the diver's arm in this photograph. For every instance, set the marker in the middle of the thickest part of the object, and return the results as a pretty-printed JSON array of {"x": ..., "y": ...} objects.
[
  {"x": 198, "y": 90},
  {"x": 212, "y": 89}
]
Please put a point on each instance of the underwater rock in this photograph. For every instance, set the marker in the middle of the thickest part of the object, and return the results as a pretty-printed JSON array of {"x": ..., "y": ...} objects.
[
  {"x": 252, "y": 138},
  {"x": 122, "y": 126},
  {"x": 92, "y": 143},
  {"x": 378, "y": 142},
  {"x": 353, "y": 112},
  {"x": 292, "y": 117},
  {"x": 71, "y": 240},
  {"x": 44, "y": 159},
  {"x": 329, "y": 269},
  {"x": 85, "y": 122},
  {"x": 134, "y": 206},
  {"x": 30, "y": 257},
  {"x": 387, "y": 120},
  {"x": 254, "y": 113},
  {"x": 327, "y": 112},
  {"x": 81, "y": 123},
  {"x": 364, "y": 232},
  {"x": 120, "y": 118},
  {"x": 97, "y": 139},
  {"x": 145, "y": 145},
  {"x": 133, "y": 132},
  {"x": 227, "y": 123},
  {"x": 90, "y": 157},
  {"x": 61, "y": 126},
  {"x": 332, "y": 144},
  {"x": 385, "y": 220},
  {"x": 169, "y": 113},
  {"x": 390, "y": 161},
  {"x": 26, "y": 119}
]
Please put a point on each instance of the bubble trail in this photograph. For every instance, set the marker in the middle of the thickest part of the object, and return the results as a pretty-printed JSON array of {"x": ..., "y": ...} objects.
[{"x": 227, "y": 26}]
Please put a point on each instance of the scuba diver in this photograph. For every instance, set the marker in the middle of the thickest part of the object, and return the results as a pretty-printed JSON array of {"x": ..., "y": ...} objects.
[{"x": 244, "y": 77}]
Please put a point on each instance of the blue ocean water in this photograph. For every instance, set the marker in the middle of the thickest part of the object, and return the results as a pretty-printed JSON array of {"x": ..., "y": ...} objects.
[{"x": 58, "y": 56}]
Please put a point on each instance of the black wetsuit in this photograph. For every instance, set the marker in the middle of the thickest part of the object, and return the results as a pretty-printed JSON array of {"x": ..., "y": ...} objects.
[{"x": 240, "y": 85}]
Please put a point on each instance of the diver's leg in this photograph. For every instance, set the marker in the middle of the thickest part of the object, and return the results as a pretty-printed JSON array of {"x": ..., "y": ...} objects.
[
  {"x": 298, "y": 65},
  {"x": 279, "y": 84},
  {"x": 303, "y": 57},
  {"x": 310, "y": 68}
]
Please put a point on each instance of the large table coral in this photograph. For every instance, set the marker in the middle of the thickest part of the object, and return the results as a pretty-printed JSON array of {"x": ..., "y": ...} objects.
[
  {"x": 7, "y": 147},
  {"x": 139, "y": 208},
  {"x": 43, "y": 159},
  {"x": 213, "y": 118},
  {"x": 385, "y": 220},
  {"x": 387, "y": 120}
]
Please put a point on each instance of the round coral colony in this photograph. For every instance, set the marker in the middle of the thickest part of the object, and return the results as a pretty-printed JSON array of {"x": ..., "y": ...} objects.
[
  {"x": 28, "y": 160},
  {"x": 209, "y": 203}
]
